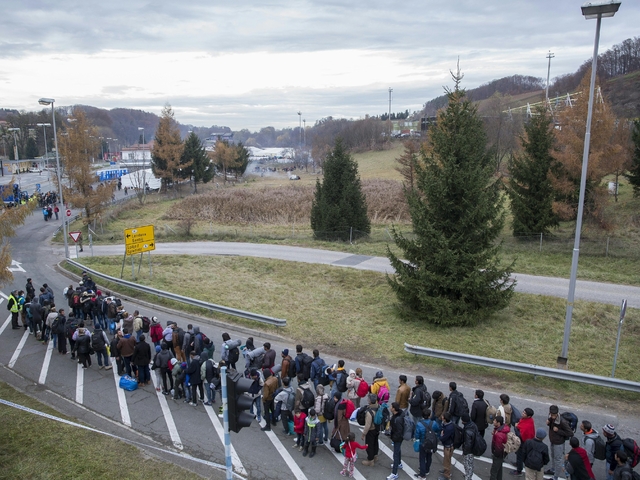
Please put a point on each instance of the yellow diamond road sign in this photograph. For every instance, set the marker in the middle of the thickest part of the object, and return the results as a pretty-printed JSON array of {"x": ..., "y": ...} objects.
[{"x": 139, "y": 235}]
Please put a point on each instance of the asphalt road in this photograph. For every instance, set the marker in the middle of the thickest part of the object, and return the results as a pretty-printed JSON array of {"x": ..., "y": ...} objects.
[
  {"x": 537, "y": 285},
  {"x": 177, "y": 427}
]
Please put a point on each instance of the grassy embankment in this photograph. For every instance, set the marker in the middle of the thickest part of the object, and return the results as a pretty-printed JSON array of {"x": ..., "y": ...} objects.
[{"x": 35, "y": 447}]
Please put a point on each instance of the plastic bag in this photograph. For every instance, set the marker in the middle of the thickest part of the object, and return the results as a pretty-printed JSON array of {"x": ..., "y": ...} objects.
[{"x": 128, "y": 383}]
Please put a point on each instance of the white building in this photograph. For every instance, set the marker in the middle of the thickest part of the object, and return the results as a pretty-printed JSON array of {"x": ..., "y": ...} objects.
[{"x": 138, "y": 154}]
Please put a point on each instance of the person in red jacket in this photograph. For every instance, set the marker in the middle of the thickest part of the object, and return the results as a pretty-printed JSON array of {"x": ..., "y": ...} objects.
[
  {"x": 499, "y": 439},
  {"x": 350, "y": 456},
  {"x": 298, "y": 428},
  {"x": 527, "y": 429}
]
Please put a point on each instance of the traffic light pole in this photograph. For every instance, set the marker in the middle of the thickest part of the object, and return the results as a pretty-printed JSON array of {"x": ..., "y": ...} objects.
[{"x": 225, "y": 411}]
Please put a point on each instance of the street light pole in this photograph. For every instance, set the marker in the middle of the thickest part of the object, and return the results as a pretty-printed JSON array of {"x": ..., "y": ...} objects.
[
  {"x": 16, "y": 156},
  {"x": 300, "y": 128},
  {"x": 44, "y": 129},
  {"x": 390, "y": 124},
  {"x": 51, "y": 101},
  {"x": 590, "y": 10},
  {"x": 304, "y": 133}
]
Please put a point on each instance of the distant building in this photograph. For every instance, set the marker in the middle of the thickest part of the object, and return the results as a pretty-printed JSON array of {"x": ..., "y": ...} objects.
[
  {"x": 139, "y": 154},
  {"x": 211, "y": 140}
]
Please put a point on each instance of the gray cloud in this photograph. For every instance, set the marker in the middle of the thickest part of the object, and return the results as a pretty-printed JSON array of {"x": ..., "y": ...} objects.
[{"x": 493, "y": 38}]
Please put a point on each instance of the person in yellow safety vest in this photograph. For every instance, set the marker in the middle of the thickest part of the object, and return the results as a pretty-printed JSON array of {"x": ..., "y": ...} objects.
[{"x": 14, "y": 306}]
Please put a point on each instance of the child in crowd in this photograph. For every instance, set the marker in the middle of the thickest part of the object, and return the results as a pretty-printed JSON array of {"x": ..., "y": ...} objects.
[
  {"x": 311, "y": 433},
  {"x": 350, "y": 456},
  {"x": 298, "y": 427}
]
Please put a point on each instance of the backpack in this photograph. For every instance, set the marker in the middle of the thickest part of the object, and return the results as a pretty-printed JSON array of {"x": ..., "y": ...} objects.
[
  {"x": 342, "y": 382},
  {"x": 571, "y": 419},
  {"x": 409, "y": 426},
  {"x": 513, "y": 443},
  {"x": 55, "y": 324},
  {"x": 383, "y": 394},
  {"x": 307, "y": 399},
  {"x": 76, "y": 300},
  {"x": 635, "y": 475},
  {"x": 234, "y": 355},
  {"x": 291, "y": 397},
  {"x": 292, "y": 369},
  {"x": 430, "y": 442},
  {"x": 599, "y": 449},
  {"x": 323, "y": 378},
  {"x": 328, "y": 412},
  {"x": 479, "y": 445},
  {"x": 363, "y": 388},
  {"x": 361, "y": 416},
  {"x": 382, "y": 416},
  {"x": 97, "y": 341},
  {"x": 633, "y": 451},
  {"x": 462, "y": 407},
  {"x": 71, "y": 328},
  {"x": 490, "y": 413},
  {"x": 306, "y": 366},
  {"x": 146, "y": 323},
  {"x": 516, "y": 416},
  {"x": 204, "y": 338},
  {"x": 458, "y": 436}
]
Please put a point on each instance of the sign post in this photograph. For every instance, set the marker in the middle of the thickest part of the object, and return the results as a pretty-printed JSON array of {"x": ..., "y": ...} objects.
[
  {"x": 138, "y": 240},
  {"x": 623, "y": 311}
]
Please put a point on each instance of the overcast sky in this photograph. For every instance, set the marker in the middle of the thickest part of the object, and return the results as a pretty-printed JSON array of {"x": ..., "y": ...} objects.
[{"x": 250, "y": 64}]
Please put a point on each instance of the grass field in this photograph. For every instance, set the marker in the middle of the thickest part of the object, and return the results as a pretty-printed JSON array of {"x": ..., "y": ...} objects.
[
  {"x": 352, "y": 313},
  {"x": 35, "y": 447}
]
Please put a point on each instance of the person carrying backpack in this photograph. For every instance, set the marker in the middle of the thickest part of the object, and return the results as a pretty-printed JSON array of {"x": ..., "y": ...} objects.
[
  {"x": 371, "y": 431},
  {"x": 305, "y": 398},
  {"x": 591, "y": 437},
  {"x": 340, "y": 382},
  {"x": 458, "y": 405},
  {"x": 286, "y": 398},
  {"x": 99, "y": 342},
  {"x": 536, "y": 455},
  {"x": 380, "y": 387},
  {"x": 470, "y": 440},
  {"x": 323, "y": 425},
  {"x": 353, "y": 383},
  {"x": 559, "y": 432},
  {"x": 397, "y": 436},
  {"x": 428, "y": 443},
  {"x": 498, "y": 441},
  {"x": 317, "y": 368},
  {"x": 59, "y": 328}
]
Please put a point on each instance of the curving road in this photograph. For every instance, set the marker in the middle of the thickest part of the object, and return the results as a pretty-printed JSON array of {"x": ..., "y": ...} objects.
[{"x": 552, "y": 286}]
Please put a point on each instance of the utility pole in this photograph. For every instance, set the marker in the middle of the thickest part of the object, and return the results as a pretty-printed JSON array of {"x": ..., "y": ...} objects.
[
  {"x": 549, "y": 56},
  {"x": 304, "y": 133},
  {"x": 390, "y": 124},
  {"x": 300, "y": 128}
]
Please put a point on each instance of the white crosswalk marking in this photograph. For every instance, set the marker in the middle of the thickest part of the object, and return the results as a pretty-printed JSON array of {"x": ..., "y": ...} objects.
[
  {"x": 168, "y": 417},
  {"x": 16, "y": 353},
  {"x": 122, "y": 398},
  {"x": 79, "y": 382},
  {"x": 45, "y": 363},
  {"x": 237, "y": 464}
]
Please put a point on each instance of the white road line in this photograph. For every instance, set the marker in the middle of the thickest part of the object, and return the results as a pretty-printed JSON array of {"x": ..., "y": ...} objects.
[
  {"x": 389, "y": 453},
  {"x": 340, "y": 459},
  {"x": 16, "y": 354},
  {"x": 45, "y": 363},
  {"x": 122, "y": 398},
  {"x": 79, "y": 383},
  {"x": 5, "y": 324},
  {"x": 284, "y": 453},
  {"x": 460, "y": 466},
  {"x": 235, "y": 459},
  {"x": 171, "y": 426}
]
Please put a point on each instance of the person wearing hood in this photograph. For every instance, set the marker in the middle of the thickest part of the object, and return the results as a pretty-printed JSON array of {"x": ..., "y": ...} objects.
[
  {"x": 353, "y": 382},
  {"x": 208, "y": 347},
  {"x": 141, "y": 358},
  {"x": 162, "y": 363},
  {"x": 179, "y": 374},
  {"x": 341, "y": 426},
  {"x": 321, "y": 400},
  {"x": 230, "y": 352},
  {"x": 255, "y": 392},
  {"x": 83, "y": 347},
  {"x": 193, "y": 370},
  {"x": 99, "y": 342},
  {"x": 311, "y": 433},
  {"x": 126, "y": 345},
  {"x": 536, "y": 455},
  {"x": 196, "y": 341},
  {"x": 420, "y": 399},
  {"x": 380, "y": 387},
  {"x": 156, "y": 370},
  {"x": 211, "y": 377},
  {"x": 187, "y": 343},
  {"x": 155, "y": 331}
]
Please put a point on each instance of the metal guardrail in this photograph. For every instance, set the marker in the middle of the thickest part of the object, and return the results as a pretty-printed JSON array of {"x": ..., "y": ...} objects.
[
  {"x": 525, "y": 368},
  {"x": 278, "y": 322}
]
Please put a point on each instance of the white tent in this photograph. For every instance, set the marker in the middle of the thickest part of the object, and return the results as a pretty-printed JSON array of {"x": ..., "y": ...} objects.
[{"x": 138, "y": 179}]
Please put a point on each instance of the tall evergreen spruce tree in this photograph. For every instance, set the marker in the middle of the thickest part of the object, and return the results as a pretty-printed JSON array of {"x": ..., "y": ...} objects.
[
  {"x": 451, "y": 275},
  {"x": 634, "y": 171},
  {"x": 195, "y": 162},
  {"x": 339, "y": 203},
  {"x": 530, "y": 188}
]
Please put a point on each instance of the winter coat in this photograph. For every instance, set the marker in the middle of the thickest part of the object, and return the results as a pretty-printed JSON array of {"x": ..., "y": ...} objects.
[
  {"x": 499, "y": 439},
  {"x": 536, "y": 454},
  {"x": 126, "y": 345},
  {"x": 590, "y": 443},
  {"x": 193, "y": 370},
  {"x": 350, "y": 449},
  {"x": 402, "y": 396},
  {"x": 142, "y": 354},
  {"x": 163, "y": 358},
  {"x": 312, "y": 432},
  {"x": 285, "y": 366},
  {"x": 478, "y": 413},
  {"x": 341, "y": 424},
  {"x": 299, "y": 392},
  {"x": 564, "y": 432},
  {"x": 321, "y": 400},
  {"x": 440, "y": 406},
  {"x": 397, "y": 428},
  {"x": 470, "y": 430},
  {"x": 377, "y": 383},
  {"x": 196, "y": 340},
  {"x": 155, "y": 332},
  {"x": 447, "y": 434},
  {"x": 269, "y": 359},
  {"x": 137, "y": 324},
  {"x": 269, "y": 388},
  {"x": 368, "y": 423},
  {"x": 455, "y": 403},
  {"x": 578, "y": 464},
  {"x": 614, "y": 444},
  {"x": 353, "y": 382},
  {"x": 83, "y": 344},
  {"x": 623, "y": 472},
  {"x": 527, "y": 429},
  {"x": 505, "y": 412},
  {"x": 299, "y": 422},
  {"x": 417, "y": 400},
  {"x": 113, "y": 346}
]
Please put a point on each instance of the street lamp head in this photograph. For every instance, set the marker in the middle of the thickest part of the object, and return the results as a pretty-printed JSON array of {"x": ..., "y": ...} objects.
[
  {"x": 604, "y": 9},
  {"x": 13, "y": 129},
  {"x": 140, "y": 128},
  {"x": 43, "y": 124},
  {"x": 46, "y": 101}
]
